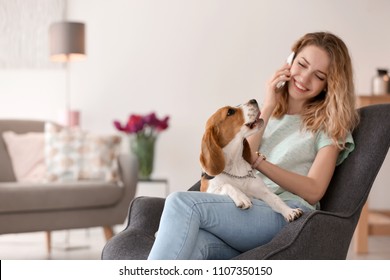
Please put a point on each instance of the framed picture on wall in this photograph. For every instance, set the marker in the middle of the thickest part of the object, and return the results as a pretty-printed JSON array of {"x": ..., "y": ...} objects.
[{"x": 24, "y": 32}]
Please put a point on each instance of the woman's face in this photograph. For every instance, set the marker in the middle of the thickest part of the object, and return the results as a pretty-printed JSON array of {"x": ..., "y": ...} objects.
[{"x": 309, "y": 73}]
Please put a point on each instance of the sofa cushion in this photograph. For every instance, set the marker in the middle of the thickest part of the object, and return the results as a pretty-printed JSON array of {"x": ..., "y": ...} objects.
[
  {"x": 100, "y": 157},
  {"x": 62, "y": 153},
  {"x": 72, "y": 154},
  {"x": 29, "y": 197},
  {"x": 20, "y": 127},
  {"x": 26, "y": 153}
]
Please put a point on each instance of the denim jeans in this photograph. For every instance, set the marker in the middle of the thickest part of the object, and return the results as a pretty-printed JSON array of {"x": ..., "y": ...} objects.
[{"x": 197, "y": 225}]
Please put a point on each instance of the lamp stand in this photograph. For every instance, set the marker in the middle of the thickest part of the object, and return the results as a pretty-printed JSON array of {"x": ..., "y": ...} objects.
[{"x": 72, "y": 117}]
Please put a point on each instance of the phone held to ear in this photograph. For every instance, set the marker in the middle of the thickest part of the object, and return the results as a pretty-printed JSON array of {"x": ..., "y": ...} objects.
[{"x": 289, "y": 61}]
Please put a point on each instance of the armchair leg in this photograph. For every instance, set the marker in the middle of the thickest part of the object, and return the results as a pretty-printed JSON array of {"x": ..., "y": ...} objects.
[
  {"x": 108, "y": 232},
  {"x": 48, "y": 241}
]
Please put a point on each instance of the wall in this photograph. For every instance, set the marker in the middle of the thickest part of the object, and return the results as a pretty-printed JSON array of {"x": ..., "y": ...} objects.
[{"x": 188, "y": 58}]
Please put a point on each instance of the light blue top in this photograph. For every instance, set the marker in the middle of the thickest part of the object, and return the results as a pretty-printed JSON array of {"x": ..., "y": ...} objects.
[{"x": 290, "y": 147}]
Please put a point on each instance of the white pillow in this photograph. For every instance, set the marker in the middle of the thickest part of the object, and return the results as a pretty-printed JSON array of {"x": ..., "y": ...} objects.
[{"x": 27, "y": 155}]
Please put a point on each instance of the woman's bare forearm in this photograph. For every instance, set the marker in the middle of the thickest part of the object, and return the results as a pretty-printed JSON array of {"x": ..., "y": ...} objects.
[{"x": 255, "y": 139}]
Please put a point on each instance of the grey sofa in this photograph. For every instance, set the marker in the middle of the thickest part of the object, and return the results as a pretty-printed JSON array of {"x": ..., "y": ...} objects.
[
  {"x": 323, "y": 234},
  {"x": 28, "y": 207}
]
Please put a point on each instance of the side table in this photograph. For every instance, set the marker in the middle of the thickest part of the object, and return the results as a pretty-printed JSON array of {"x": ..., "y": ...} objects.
[
  {"x": 156, "y": 187},
  {"x": 371, "y": 222}
]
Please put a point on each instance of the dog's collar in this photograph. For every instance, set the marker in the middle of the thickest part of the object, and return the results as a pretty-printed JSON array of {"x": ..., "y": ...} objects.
[
  {"x": 249, "y": 175},
  {"x": 207, "y": 176}
]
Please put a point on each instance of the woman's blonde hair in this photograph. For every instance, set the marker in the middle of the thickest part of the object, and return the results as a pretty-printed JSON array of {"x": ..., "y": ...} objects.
[{"x": 333, "y": 110}]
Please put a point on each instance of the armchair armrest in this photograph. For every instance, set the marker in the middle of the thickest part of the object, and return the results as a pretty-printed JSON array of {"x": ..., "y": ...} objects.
[
  {"x": 316, "y": 235},
  {"x": 145, "y": 214},
  {"x": 136, "y": 240}
]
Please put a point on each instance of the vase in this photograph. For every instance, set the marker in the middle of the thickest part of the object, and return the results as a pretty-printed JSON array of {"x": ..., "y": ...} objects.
[{"x": 142, "y": 146}]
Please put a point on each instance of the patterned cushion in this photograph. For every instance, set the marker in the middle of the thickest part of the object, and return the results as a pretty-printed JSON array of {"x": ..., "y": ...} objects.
[
  {"x": 99, "y": 157},
  {"x": 72, "y": 154}
]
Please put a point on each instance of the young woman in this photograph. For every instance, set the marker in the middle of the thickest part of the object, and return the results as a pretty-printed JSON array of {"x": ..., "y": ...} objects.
[{"x": 308, "y": 124}]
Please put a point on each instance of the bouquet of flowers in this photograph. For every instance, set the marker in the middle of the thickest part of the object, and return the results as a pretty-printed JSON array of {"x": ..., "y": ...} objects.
[
  {"x": 143, "y": 126},
  {"x": 143, "y": 131}
]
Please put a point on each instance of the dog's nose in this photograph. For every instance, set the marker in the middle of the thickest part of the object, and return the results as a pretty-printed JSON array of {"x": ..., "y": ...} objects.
[{"x": 253, "y": 102}]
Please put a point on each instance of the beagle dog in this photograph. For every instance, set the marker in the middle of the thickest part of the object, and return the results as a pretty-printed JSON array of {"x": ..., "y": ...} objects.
[{"x": 224, "y": 157}]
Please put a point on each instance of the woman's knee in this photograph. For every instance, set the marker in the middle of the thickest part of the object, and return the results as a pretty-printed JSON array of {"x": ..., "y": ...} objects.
[
  {"x": 177, "y": 197},
  {"x": 179, "y": 201}
]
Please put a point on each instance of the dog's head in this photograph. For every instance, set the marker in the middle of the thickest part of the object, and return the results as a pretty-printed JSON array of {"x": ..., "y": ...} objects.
[{"x": 223, "y": 126}]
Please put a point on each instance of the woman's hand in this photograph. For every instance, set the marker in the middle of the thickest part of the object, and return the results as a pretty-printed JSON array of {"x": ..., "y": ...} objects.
[{"x": 272, "y": 92}]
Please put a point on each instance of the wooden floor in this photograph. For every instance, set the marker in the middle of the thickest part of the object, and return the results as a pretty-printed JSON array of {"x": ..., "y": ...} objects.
[{"x": 87, "y": 244}]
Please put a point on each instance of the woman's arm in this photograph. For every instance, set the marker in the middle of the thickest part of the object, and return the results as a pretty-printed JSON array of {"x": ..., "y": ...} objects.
[
  {"x": 311, "y": 187},
  {"x": 271, "y": 97},
  {"x": 255, "y": 139}
]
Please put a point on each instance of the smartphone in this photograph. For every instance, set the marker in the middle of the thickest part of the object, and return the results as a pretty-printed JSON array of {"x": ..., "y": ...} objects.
[{"x": 289, "y": 61}]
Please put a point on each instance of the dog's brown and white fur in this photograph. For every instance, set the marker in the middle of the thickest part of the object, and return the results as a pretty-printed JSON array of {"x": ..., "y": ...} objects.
[{"x": 223, "y": 152}]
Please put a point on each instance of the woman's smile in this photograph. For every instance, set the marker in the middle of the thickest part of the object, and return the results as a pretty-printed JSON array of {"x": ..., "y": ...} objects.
[{"x": 300, "y": 87}]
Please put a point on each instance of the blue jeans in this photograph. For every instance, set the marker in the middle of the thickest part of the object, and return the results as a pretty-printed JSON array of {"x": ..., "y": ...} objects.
[{"x": 197, "y": 225}]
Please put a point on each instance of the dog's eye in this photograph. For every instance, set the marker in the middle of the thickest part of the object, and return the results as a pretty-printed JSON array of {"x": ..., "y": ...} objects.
[{"x": 231, "y": 111}]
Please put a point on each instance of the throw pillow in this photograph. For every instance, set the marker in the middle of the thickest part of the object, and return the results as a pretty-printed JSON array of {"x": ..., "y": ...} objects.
[
  {"x": 27, "y": 156},
  {"x": 99, "y": 157},
  {"x": 62, "y": 152},
  {"x": 73, "y": 154}
]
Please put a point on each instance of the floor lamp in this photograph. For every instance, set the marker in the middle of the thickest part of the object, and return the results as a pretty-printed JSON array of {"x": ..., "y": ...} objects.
[{"x": 67, "y": 43}]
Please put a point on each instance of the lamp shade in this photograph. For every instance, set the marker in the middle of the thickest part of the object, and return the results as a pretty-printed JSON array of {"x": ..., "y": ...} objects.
[{"x": 67, "y": 41}]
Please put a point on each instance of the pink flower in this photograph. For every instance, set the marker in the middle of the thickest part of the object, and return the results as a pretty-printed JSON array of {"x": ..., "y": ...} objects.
[
  {"x": 151, "y": 119},
  {"x": 149, "y": 125},
  {"x": 135, "y": 124},
  {"x": 163, "y": 124}
]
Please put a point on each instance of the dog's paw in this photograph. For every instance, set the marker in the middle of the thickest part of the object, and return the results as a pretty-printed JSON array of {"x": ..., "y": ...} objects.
[
  {"x": 244, "y": 205},
  {"x": 243, "y": 202},
  {"x": 293, "y": 214}
]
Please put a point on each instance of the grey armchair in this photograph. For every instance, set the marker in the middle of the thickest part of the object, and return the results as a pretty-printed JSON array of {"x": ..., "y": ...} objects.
[{"x": 322, "y": 234}]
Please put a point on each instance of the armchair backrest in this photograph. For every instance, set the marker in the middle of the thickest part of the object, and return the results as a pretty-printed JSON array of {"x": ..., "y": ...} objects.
[
  {"x": 353, "y": 179},
  {"x": 17, "y": 126}
]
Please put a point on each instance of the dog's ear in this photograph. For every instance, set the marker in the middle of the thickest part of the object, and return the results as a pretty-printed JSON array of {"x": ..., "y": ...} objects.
[
  {"x": 246, "y": 153},
  {"x": 211, "y": 156}
]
